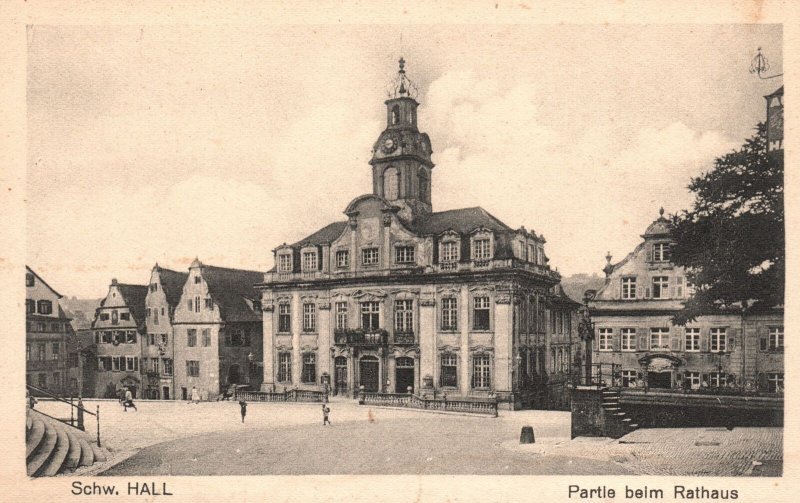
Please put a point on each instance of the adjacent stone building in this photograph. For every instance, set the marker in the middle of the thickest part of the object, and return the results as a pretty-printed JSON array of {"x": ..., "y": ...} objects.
[
  {"x": 217, "y": 331},
  {"x": 733, "y": 347},
  {"x": 398, "y": 297},
  {"x": 47, "y": 333},
  {"x": 163, "y": 296},
  {"x": 119, "y": 330}
]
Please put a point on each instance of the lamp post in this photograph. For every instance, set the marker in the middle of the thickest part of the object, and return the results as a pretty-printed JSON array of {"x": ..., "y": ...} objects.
[{"x": 720, "y": 353}]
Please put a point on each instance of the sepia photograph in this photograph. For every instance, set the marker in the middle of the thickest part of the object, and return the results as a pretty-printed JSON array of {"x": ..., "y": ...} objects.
[{"x": 404, "y": 249}]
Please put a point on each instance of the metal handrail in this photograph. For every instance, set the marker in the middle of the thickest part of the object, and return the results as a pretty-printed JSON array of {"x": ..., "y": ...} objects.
[{"x": 57, "y": 398}]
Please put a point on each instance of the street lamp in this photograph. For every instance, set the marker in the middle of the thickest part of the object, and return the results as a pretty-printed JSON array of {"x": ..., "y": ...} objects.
[{"x": 760, "y": 65}]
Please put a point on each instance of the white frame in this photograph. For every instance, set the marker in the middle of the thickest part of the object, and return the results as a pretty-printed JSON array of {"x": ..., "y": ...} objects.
[{"x": 605, "y": 339}]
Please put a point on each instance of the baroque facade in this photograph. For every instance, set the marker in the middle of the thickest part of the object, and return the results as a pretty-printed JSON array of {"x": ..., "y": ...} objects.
[
  {"x": 732, "y": 348},
  {"x": 400, "y": 298}
]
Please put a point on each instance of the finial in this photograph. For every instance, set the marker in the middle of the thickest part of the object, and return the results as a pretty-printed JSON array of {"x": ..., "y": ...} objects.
[
  {"x": 402, "y": 64},
  {"x": 608, "y": 257},
  {"x": 661, "y": 212}
]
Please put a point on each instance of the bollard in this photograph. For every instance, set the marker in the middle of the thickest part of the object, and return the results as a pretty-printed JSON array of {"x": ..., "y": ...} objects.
[{"x": 526, "y": 435}]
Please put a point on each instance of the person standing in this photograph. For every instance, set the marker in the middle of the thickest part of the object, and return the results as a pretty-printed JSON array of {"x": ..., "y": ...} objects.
[
  {"x": 129, "y": 401},
  {"x": 195, "y": 395},
  {"x": 243, "y": 406},
  {"x": 325, "y": 411}
]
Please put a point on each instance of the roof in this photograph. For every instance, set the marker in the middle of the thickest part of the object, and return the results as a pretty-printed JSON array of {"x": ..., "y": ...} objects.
[
  {"x": 231, "y": 289},
  {"x": 463, "y": 221},
  {"x": 560, "y": 297},
  {"x": 327, "y": 234},
  {"x": 43, "y": 281},
  {"x": 660, "y": 227},
  {"x": 172, "y": 283},
  {"x": 778, "y": 92}
]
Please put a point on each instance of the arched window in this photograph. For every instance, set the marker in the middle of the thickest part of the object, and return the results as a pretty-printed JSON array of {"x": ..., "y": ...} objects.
[
  {"x": 390, "y": 183},
  {"x": 395, "y": 115},
  {"x": 423, "y": 185}
]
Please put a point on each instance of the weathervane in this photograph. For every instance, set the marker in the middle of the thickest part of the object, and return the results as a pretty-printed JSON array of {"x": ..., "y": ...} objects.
[
  {"x": 401, "y": 86},
  {"x": 760, "y": 65}
]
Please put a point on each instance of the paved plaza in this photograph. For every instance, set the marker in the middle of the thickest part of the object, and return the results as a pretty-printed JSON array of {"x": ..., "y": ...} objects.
[{"x": 176, "y": 438}]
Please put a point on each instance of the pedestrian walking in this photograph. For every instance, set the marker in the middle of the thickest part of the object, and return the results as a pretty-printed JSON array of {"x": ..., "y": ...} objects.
[
  {"x": 195, "y": 395},
  {"x": 129, "y": 401},
  {"x": 325, "y": 411},
  {"x": 243, "y": 406}
]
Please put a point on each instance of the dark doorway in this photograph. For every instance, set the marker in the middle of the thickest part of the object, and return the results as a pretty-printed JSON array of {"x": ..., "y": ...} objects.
[
  {"x": 234, "y": 374},
  {"x": 165, "y": 392},
  {"x": 340, "y": 375},
  {"x": 404, "y": 374},
  {"x": 659, "y": 379},
  {"x": 368, "y": 370},
  {"x": 184, "y": 393}
]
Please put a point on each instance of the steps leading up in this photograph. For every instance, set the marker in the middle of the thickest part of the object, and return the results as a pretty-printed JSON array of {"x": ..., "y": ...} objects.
[
  {"x": 74, "y": 455},
  {"x": 87, "y": 454},
  {"x": 34, "y": 437},
  {"x": 56, "y": 459},
  {"x": 43, "y": 451},
  {"x": 54, "y": 447}
]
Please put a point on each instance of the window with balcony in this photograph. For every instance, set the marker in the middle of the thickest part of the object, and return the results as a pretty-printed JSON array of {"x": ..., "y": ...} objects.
[
  {"x": 310, "y": 261},
  {"x": 309, "y": 368},
  {"x": 480, "y": 313},
  {"x": 191, "y": 337},
  {"x": 629, "y": 288},
  {"x": 449, "y": 314},
  {"x": 449, "y": 252},
  {"x": 404, "y": 255},
  {"x": 340, "y": 309},
  {"x": 481, "y": 372},
  {"x": 192, "y": 368},
  {"x": 369, "y": 256},
  {"x": 284, "y": 318},
  {"x": 481, "y": 249},
  {"x": 661, "y": 252},
  {"x": 449, "y": 370},
  {"x": 659, "y": 339},
  {"x": 285, "y": 367},
  {"x": 718, "y": 339},
  {"x": 403, "y": 316},
  {"x": 309, "y": 317},
  {"x": 628, "y": 336},
  {"x": 285, "y": 262},
  {"x": 604, "y": 339},
  {"x": 660, "y": 287},
  {"x": 370, "y": 316},
  {"x": 692, "y": 342},
  {"x": 342, "y": 259}
]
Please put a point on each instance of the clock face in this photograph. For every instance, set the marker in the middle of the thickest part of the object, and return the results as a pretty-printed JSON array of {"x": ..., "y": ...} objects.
[{"x": 389, "y": 145}]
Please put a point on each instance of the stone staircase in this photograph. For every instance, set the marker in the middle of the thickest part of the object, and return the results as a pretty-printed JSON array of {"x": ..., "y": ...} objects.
[
  {"x": 53, "y": 447},
  {"x": 618, "y": 424}
]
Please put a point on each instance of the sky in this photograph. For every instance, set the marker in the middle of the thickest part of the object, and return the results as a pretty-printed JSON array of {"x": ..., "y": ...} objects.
[{"x": 164, "y": 143}]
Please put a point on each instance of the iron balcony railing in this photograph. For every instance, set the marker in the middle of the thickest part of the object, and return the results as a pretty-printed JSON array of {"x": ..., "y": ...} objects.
[{"x": 359, "y": 337}]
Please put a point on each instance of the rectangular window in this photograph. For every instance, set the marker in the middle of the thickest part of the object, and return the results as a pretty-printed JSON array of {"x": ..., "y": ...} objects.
[
  {"x": 29, "y": 279},
  {"x": 659, "y": 339},
  {"x": 692, "y": 342},
  {"x": 167, "y": 366},
  {"x": 30, "y": 306},
  {"x": 404, "y": 316},
  {"x": 164, "y": 339},
  {"x": 285, "y": 367},
  {"x": 604, "y": 341},
  {"x": 284, "y": 318},
  {"x": 192, "y": 368},
  {"x": 369, "y": 256},
  {"x": 197, "y": 304},
  {"x": 343, "y": 259},
  {"x": 404, "y": 255},
  {"x": 41, "y": 326},
  {"x": 692, "y": 379},
  {"x": 628, "y": 336},
  {"x": 480, "y": 313},
  {"x": 103, "y": 316},
  {"x": 449, "y": 252},
  {"x": 117, "y": 363},
  {"x": 628, "y": 288},
  {"x": 660, "y": 287},
  {"x": 42, "y": 347},
  {"x": 42, "y": 380},
  {"x": 370, "y": 316},
  {"x": 156, "y": 365},
  {"x": 206, "y": 335},
  {"x": 449, "y": 371},
  {"x": 285, "y": 263},
  {"x": 27, "y": 351},
  {"x": 197, "y": 280},
  {"x": 776, "y": 338},
  {"x": 717, "y": 379},
  {"x": 481, "y": 372},
  {"x": 55, "y": 350},
  {"x": 341, "y": 315},
  {"x": 130, "y": 337},
  {"x": 151, "y": 339},
  {"x": 481, "y": 249},
  {"x": 45, "y": 307},
  {"x": 310, "y": 261},
  {"x": 309, "y": 317},
  {"x": 775, "y": 382},
  {"x": 131, "y": 363},
  {"x": 209, "y": 303},
  {"x": 309, "y": 368},
  {"x": 449, "y": 313},
  {"x": 661, "y": 252},
  {"x": 718, "y": 339},
  {"x": 125, "y": 316},
  {"x": 191, "y": 337},
  {"x": 628, "y": 378}
]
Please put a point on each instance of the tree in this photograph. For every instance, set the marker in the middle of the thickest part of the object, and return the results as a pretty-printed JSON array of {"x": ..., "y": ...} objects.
[{"x": 732, "y": 242}]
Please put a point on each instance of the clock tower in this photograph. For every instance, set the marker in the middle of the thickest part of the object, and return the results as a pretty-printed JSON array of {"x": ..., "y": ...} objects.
[{"x": 401, "y": 158}]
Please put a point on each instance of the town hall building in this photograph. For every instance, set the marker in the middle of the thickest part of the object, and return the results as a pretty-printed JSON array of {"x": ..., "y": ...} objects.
[{"x": 399, "y": 298}]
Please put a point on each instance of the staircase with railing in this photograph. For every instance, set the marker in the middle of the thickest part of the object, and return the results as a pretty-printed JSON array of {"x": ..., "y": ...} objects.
[{"x": 55, "y": 445}]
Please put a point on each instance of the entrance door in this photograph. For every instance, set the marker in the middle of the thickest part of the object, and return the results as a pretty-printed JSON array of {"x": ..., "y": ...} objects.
[
  {"x": 659, "y": 379},
  {"x": 165, "y": 392},
  {"x": 340, "y": 375},
  {"x": 404, "y": 374},
  {"x": 368, "y": 369}
]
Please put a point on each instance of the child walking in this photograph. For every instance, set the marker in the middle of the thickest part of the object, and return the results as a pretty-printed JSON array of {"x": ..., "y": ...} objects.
[
  {"x": 243, "y": 405},
  {"x": 325, "y": 411}
]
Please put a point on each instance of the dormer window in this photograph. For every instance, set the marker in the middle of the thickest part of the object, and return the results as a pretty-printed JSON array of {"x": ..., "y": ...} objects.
[
  {"x": 404, "y": 255},
  {"x": 661, "y": 252},
  {"x": 310, "y": 261},
  {"x": 482, "y": 249},
  {"x": 197, "y": 280},
  {"x": 285, "y": 262},
  {"x": 449, "y": 251}
]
